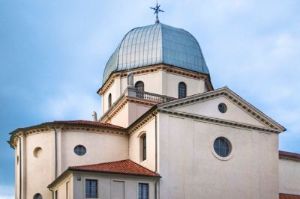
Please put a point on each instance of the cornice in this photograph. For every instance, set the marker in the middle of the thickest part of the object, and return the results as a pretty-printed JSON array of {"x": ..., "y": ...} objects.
[
  {"x": 49, "y": 126},
  {"x": 120, "y": 103},
  {"x": 154, "y": 68},
  {"x": 217, "y": 120}
]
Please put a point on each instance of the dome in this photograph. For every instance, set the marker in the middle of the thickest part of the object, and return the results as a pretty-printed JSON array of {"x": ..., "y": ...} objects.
[{"x": 156, "y": 44}]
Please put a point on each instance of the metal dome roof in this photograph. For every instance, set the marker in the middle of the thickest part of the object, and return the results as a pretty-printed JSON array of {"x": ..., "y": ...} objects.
[{"x": 156, "y": 44}]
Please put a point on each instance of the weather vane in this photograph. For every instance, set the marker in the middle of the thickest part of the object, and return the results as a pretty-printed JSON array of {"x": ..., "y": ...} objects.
[{"x": 157, "y": 10}]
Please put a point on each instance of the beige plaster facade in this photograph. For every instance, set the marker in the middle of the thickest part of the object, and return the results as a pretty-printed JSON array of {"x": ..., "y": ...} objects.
[{"x": 289, "y": 176}]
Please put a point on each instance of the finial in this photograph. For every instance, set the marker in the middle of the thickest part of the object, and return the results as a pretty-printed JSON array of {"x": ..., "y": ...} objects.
[{"x": 157, "y": 10}]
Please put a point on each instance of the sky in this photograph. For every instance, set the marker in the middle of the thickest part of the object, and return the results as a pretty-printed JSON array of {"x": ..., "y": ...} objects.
[{"x": 52, "y": 55}]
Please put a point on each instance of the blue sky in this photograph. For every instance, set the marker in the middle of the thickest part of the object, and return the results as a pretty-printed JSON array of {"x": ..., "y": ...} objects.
[{"x": 52, "y": 54}]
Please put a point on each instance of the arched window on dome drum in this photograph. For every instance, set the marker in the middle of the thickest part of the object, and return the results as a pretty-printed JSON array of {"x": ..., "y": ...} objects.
[
  {"x": 139, "y": 86},
  {"x": 181, "y": 90},
  {"x": 109, "y": 100}
]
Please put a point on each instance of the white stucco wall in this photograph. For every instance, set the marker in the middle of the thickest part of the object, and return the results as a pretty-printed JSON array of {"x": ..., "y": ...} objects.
[
  {"x": 135, "y": 145},
  {"x": 101, "y": 147},
  {"x": 116, "y": 92},
  {"x": 39, "y": 171},
  {"x": 171, "y": 81},
  {"x": 189, "y": 168},
  {"x": 289, "y": 176},
  {"x": 105, "y": 183}
]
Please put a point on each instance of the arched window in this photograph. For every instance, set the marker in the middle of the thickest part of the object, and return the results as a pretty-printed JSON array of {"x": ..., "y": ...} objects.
[
  {"x": 181, "y": 90},
  {"x": 143, "y": 144},
  {"x": 37, "y": 196},
  {"x": 109, "y": 100},
  {"x": 139, "y": 89}
]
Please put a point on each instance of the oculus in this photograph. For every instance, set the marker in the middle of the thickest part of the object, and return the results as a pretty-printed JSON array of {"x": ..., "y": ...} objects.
[
  {"x": 80, "y": 150},
  {"x": 222, "y": 107},
  {"x": 222, "y": 147}
]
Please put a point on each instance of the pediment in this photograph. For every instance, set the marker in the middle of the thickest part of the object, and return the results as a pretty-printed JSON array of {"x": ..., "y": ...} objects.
[{"x": 238, "y": 110}]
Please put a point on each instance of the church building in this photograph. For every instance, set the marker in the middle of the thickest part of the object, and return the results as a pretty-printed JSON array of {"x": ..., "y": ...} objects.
[{"x": 164, "y": 133}]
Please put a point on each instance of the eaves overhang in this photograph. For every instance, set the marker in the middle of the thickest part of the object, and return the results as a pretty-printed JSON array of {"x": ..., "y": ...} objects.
[{"x": 61, "y": 125}]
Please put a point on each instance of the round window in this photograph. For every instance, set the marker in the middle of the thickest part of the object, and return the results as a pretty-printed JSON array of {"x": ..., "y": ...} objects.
[
  {"x": 222, "y": 107},
  {"x": 37, "y": 196},
  {"x": 222, "y": 147},
  {"x": 80, "y": 150}
]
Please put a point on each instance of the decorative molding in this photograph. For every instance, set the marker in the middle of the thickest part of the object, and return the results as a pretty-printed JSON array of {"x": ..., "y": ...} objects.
[
  {"x": 236, "y": 99},
  {"x": 216, "y": 120},
  {"x": 47, "y": 127},
  {"x": 154, "y": 68}
]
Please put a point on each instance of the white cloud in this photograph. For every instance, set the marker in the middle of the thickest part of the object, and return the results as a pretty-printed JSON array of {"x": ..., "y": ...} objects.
[{"x": 6, "y": 192}]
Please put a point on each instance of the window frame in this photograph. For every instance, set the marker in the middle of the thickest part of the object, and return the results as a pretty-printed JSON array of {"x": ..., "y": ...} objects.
[
  {"x": 143, "y": 146},
  {"x": 214, "y": 152},
  {"x": 140, "y": 190},
  {"x": 182, "y": 90},
  {"x": 140, "y": 88},
  {"x": 90, "y": 195},
  {"x": 109, "y": 100}
]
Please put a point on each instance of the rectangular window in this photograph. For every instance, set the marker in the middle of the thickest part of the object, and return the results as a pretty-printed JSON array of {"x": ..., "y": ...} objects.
[
  {"x": 91, "y": 188},
  {"x": 143, "y": 191},
  {"x": 144, "y": 148}
]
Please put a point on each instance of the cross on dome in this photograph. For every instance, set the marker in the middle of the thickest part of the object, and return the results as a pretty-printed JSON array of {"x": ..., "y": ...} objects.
[{"x": 157, "y": 10}]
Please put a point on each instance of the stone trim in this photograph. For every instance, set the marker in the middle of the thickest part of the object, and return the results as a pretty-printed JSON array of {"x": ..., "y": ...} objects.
[{"x": 216, "y": 120}]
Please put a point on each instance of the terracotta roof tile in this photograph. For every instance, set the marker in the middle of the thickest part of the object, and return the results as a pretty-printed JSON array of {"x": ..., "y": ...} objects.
[
  {"x": 289, "y": 155},
  {"x": 87, "y": 122},
  {"x": 119, "y": 167},
  {"x": 288, "y": 196}
]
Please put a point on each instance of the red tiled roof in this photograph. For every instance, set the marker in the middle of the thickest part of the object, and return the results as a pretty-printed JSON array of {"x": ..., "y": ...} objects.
[
  {"x": 119, "y": 167},
  {"x": 87, "y": 122},
  {"x": 288, "y": 196},
  {"x": 289, "y": 155}
]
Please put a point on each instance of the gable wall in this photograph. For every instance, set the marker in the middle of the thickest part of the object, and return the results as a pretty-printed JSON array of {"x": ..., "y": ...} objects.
[
  {"x": 210, "y": 108},
  {"x": 189, "y": 168}
]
